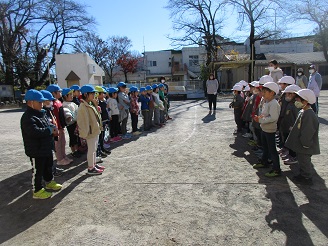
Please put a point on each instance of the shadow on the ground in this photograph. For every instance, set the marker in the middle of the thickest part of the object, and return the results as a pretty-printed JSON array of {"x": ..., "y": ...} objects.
[
  {"x": 19, "y": 211},
  {"x": 208, "y": 118},
  {"x": 12, "y": 110},
  {"x": 323, "y": 121},
  {"x": 286, "y": 215}
]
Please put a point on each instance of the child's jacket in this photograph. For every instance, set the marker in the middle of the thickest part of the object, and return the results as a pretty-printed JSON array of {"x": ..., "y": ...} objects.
[{"x": 303, "y": 137}]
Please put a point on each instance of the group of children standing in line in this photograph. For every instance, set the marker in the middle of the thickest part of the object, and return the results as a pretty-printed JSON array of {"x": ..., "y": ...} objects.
[
  {"x": 86, "y": 112},
  {"x": 279, "y": 118}
]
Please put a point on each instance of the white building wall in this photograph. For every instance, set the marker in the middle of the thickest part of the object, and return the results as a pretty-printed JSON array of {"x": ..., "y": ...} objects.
[
  {"x": 193, "y": 51},
  {"x": 162, "y": 59},
  {"x": 82, "y": 65}
]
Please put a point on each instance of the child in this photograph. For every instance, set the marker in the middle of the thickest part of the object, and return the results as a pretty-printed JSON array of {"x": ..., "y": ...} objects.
[
  {"x": 123, "y": 105},
  {"x": 163, "y": 103},
  {"x": 144, "y": 99},
  {"x": 58, "y": 110},
  {"x": 303, "y": 138},
  {"x": 38, "y": 141},
  {"x": 134, "y": 110},
  {"x": 257, "y": 93},
  {"x": 237, "y": 105},
  {"x": 287, "y": 122},
  {"x": 76, "y": 94},
  {"x": 47, "y": 106},
  {"x": 156, "y": 106},
  {"x": 247, "y": 110},
  {"x": 268, "y": 120},
  {"x": 70, "y": 110},
  {"x": 89, "y": 122},
  {"x": 151, "y": 105},
  {"x": 102, "y": 103},
  {"x": 114, "y": 112}
]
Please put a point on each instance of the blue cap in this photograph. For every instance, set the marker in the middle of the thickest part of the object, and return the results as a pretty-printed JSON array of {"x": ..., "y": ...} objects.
[
  {"x": 148, "y": 87},
  {"x": 53, "y": 88},
  {"x": 87, "y": 88},
  {"x": 47, "y": 95},
  {"x": 75, "y": 87},
  {"x": 121, "y": 84},
  {"x": 142, "y": 89},
  {"x": 112, "y": 90},
  {"x": 160, "y": 85},
  {"x": 105, "y": 88},
  {"x": 34, "y": 95},
  {"x": 66, "y": 91},
  {"x": 133, "y": 88},
  {"x": 155, "y": 86}
]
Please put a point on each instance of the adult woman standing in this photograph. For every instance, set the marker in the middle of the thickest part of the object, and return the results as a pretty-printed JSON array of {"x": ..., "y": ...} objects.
[
  {"x": 275, "y": 71},
  {"x": 89, "y": 123},
  {"x": 212, "y": 86},
  {"x": 301, "y": 79}
]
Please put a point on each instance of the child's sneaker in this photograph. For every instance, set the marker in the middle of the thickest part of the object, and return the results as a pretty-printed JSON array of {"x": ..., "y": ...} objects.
[
  {"x": 42, "y": 194},
  {"x": 52, "y": 185},
  {"x": 126, "y": 136},
  {"x": 99, "y": 160},
  {"x": 290, "y": 161},
  {"x": 259, "y": 165},
  {"x": 136, "y": 133},
  {"x": 247, "y": 135},
  {"x": 100, "y": 167},
  {"x": 273, "y": 174},
  {"x": 94, "y": 171}
]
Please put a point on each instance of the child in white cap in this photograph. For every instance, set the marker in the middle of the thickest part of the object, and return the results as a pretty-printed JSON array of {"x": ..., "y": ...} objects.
[
  {"x": 303, "y": 138},
  {"x": 268, "y": 120},
  {"x": 237, "y": 105}
]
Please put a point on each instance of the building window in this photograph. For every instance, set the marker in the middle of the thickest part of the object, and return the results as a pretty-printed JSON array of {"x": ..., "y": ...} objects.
[
  {"x": 152, "y": 63},
  {"x": 193, "y": 61},
  {"x": 170, "y": 64}
]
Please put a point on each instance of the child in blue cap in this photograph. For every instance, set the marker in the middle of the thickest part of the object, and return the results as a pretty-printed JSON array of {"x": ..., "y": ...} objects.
[
  {"x": 38, "y": 141},
  {"x": 134, "y": 110},
  {"x": 144, "y": 99},
  {"x": 114, "y": 112}
]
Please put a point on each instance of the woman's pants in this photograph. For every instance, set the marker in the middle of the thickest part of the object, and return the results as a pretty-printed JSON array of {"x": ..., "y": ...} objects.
[{"x": 211, "y": 101}]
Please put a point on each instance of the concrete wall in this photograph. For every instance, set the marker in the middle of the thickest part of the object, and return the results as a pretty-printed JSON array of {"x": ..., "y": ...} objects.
[
  {"x": 162, "y": 59},
  {"x": 81, "y": 64}
]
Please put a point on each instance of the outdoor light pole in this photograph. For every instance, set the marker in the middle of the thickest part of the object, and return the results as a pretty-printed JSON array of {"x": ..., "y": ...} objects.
[{"x": 46, "y": 48}]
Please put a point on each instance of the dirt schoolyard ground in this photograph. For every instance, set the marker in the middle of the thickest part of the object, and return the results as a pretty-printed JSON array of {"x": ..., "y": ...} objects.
[{"x": 188, "y": 183}]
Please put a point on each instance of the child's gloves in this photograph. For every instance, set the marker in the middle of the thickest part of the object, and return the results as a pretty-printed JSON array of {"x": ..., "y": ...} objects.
[{"x": 231, "y": 105}]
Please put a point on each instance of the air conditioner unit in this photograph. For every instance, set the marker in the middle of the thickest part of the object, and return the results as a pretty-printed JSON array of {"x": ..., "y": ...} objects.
[{"x": 92, "y": 68}]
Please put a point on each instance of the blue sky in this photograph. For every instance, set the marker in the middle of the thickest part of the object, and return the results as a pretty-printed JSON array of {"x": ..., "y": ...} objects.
[{"x": 147, "y": 23}]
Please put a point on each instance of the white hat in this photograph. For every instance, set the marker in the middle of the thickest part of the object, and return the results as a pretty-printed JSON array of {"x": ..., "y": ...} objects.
[
  {"x": 307, "y": 95},
  {"x": 256, "y": 84},
  {"x": 272, "y": 86},
  {"x": 247, "y": 88},
  {"x": 237, "y": 87},
  {"x": 243, "y": 83},
  {"x": 292, "y": 89},
  {"x": 253, "y": 83},
  {"x": 265, "y": 78},
  {"x": 287, "y": 80}
]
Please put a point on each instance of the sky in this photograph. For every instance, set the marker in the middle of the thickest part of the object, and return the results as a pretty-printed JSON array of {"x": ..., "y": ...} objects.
[{"x": 147, "y": 23}]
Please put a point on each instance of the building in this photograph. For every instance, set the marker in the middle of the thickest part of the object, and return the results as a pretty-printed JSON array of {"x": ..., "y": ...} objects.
[{"x": 77, "y": 69}]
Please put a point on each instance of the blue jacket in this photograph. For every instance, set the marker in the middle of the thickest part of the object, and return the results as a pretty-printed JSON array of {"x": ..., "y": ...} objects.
[
  {"x": 37, "y": 133},
  {"x": 144, "y": 102}
]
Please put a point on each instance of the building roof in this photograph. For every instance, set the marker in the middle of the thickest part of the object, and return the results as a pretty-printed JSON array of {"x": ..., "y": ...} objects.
[
  {"x": 294, "y": 58},
  {"x": 72, "y": 76}
]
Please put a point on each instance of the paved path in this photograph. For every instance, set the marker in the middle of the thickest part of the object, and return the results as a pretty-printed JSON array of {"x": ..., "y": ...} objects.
[{"x": 189, "y": 183}]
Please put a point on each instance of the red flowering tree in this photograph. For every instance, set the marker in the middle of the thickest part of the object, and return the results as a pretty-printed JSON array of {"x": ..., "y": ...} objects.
[{"x": 128, "y": 64}]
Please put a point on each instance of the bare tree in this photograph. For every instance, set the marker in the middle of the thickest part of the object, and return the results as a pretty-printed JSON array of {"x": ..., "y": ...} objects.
[
  {"x": 118, "y": 47},
  {"x": 28, "y": 26},
  {"x": 94, "y": 46},
  {"x": 199, "y": 21},
  {"x": 315, "y": 11},
  {"x": 254, "y": 15}
]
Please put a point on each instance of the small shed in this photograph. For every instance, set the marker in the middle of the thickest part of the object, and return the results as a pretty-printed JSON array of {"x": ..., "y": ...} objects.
[{"x": 77, "y": 69}]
